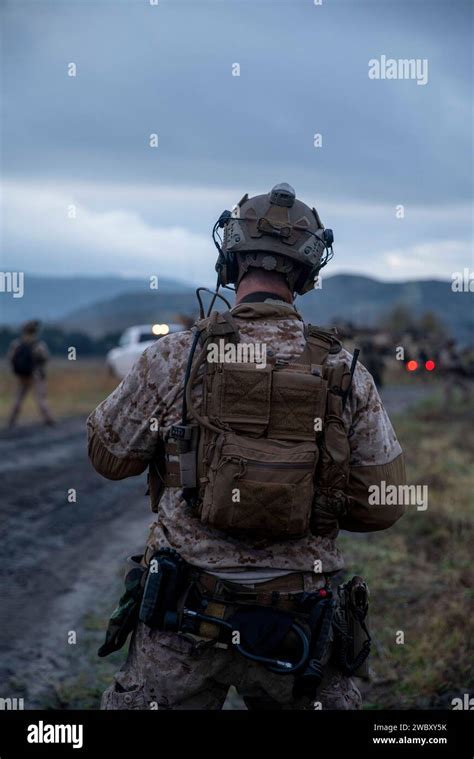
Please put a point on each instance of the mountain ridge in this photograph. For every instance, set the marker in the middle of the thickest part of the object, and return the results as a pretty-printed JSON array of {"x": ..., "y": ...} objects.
[
  {"x": 98, "y": 305},
  {"x": 345, "y": 297}
]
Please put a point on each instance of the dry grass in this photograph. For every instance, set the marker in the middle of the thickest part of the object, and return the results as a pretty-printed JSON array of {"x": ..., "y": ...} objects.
[
  {"x": 74, "y": 388},
  {"x": 420, "y": 571}
]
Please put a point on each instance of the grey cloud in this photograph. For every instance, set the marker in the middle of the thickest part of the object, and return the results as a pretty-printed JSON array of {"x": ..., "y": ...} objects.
[{"x": 303, "y": 69}]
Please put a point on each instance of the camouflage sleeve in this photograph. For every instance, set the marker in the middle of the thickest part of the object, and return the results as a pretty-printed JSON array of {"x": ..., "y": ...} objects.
[
  {"x": 122, "y": 434},
  {"x": 376, "y": 458},
  {"x": 123, "y": 431}
]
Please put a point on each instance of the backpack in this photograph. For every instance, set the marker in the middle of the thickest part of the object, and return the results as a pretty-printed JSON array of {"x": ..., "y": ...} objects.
[
  {"x": 266, "y": 441},
  {"x": 23, "y": 360}
]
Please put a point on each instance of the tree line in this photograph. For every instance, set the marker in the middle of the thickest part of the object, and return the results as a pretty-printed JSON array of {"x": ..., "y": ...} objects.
[{"x": 58, "y": 341}]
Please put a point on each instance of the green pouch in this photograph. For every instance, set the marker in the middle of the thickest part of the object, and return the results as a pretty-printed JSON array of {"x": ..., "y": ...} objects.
[{"x": 125, "y": 616}]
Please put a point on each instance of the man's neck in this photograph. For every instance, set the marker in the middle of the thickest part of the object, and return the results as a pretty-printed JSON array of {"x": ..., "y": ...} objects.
[{"x": 258, "y": 296}]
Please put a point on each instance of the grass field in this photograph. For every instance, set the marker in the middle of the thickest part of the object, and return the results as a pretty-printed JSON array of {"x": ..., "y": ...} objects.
[
  {"x": 420, "y": 571},
  {"x": 74, "y": 388}
]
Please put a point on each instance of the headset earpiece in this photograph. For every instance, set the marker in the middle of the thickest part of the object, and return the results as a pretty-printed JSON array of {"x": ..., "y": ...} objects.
[
  {"x": 328, "y": 236},
  {"x": 223, "y": 219}
]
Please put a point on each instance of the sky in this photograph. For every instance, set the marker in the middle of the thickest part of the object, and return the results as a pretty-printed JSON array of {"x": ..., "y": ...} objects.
[{"x": 83, "y": 192}]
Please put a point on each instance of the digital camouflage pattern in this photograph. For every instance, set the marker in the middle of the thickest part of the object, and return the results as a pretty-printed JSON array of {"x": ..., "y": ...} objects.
[
  {"x": 124, "y": 432},
  {"x": 169, "y": 670}
]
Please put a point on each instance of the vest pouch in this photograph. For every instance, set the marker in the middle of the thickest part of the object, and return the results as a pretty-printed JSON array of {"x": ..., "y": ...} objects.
[
  {"x": 259, "y": 486},
  {"x": 333, "y": 469},
  {"x": 298, "y": 400},
  {"x": 240, "y": 397}
]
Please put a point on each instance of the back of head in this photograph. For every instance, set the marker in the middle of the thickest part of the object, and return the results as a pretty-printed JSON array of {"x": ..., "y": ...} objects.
[{"x": 277, "y": 233}]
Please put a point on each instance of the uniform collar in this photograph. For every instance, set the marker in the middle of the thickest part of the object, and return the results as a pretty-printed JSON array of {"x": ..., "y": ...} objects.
[
  {"x": 260, "y": 296},
  {"x": 266, "y": 309}
]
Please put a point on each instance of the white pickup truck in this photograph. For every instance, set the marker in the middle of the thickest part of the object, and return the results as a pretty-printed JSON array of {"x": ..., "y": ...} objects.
[{"x": 132, "y": 344}]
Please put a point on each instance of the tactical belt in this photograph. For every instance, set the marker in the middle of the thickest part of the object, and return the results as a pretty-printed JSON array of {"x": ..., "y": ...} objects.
[
  {"x": 277, "y": 615},
  {"x": 278, "y": 593},
  {"x": 284, "y": 625}
]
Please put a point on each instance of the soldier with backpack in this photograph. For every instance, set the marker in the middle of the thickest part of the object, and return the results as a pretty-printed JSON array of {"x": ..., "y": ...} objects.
[
  {"x": 253, "y": 468},
  {"x": 455, "y": 374},
  {"x": 28, "y": 356}
]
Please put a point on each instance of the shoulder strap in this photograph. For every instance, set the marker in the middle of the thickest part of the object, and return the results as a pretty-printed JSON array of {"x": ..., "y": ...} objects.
[
  {"x": 319, "y": 343},
  {"x": 218, "y": 325}
]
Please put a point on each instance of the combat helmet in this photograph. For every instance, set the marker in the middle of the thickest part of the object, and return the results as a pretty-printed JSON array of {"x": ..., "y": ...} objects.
[{"x": 275, "y": 232}]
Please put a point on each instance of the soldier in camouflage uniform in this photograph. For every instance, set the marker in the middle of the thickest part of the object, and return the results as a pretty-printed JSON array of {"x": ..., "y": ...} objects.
[
  {"x": 176, "y": 671},
  {"x": 374, "y": 360},
  {"x": 454, "y": 373},
  {"x": 30, "y": 371}
]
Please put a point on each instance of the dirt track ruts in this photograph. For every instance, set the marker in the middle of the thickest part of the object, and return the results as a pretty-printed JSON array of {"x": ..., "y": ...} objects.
[{"x": 57, "y": 557}]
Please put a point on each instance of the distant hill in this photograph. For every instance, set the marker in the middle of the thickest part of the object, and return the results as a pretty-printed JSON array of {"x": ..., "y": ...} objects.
[
  {"x": 131, "y": 308},
  {"x": 361, "y": 300},
  {"x": 364, "y": 300},
  {"x": 100, "y": 305},
  {"x": 50, "y": 298}
]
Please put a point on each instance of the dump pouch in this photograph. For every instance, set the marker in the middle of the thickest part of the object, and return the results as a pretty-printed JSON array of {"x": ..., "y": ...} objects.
[
  {"x": 262, "y": 629},
  {"x": 125, "y": 616}
]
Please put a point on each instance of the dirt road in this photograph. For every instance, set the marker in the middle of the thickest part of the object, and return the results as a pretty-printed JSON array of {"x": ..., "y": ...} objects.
[{"x": 59, "y": 558}]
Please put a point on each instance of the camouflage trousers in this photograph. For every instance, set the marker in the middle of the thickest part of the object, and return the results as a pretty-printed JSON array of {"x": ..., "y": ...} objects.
[
  {"x": 171, "y": 671},
  {"x": 23, "y": 387}
]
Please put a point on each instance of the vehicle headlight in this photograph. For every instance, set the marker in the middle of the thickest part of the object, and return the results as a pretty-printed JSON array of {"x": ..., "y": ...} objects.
[{"x": 160, "y": 329}]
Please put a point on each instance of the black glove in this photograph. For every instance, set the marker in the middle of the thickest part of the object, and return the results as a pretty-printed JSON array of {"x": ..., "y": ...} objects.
[
  {"x": 324, "y": 524},
  {"x": 328, "y": 508}
]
